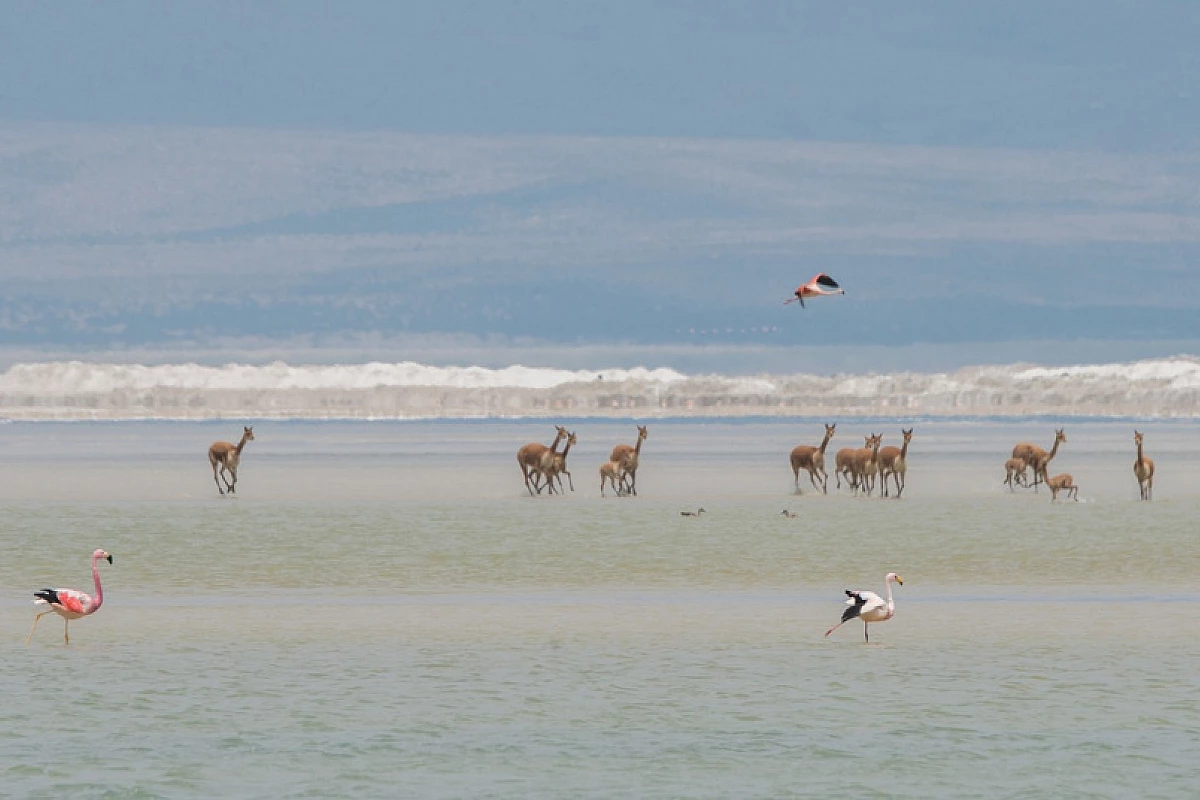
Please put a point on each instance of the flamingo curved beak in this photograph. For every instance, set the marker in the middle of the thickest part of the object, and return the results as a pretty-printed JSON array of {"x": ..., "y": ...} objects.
[
  {"x": 899, "y": 580},
  {"x": 110, "y": 558}
]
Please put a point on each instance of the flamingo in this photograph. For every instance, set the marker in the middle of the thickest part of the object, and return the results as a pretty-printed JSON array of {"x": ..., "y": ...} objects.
[
  {"x": 820, "y": 285},
  {"x": 868, "y": 606},
  {"x": 70, "y": 603}
]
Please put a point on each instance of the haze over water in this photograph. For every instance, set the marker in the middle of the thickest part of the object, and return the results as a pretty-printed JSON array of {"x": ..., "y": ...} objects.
[{"x": 383, "y": 611}]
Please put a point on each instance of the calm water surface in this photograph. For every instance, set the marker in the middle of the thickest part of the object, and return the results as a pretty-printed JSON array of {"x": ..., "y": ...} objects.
[{"x": 381, "y": 611}]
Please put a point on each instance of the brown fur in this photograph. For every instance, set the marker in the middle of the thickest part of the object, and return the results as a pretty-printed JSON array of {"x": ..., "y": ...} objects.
[
  {"x": 812, "y": 459},
  {"x": 529, "y": 457},
  {"x": 1062, "y": 483},
  {"x": 866, "y": 463},
  {"x": 893, "y": 462},
  {"x": 1143, "y": 470},
  {"x": 610, "y": 471},
  {"x": 224, "y": 457},
  {"x": 1037, "y": 458},
  {"x": 558, "y": 468},
  {"x": 843, "y": 464},
  {"x": 627, "y": 456},
  {"x": 1015, "y": 474}
]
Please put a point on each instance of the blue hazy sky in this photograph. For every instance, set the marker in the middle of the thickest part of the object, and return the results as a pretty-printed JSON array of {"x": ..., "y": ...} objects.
[{"x": 620, "y": 173}]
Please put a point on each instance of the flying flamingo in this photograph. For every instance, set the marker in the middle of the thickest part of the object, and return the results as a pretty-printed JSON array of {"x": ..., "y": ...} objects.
[
  {"x": 70, "y": 603},
  {"x": 821, "y": 284},
  {"x": 868, "y": 606}
]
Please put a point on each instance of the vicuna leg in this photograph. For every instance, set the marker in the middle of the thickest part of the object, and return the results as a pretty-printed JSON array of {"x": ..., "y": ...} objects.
[{"x": 215, "y": 465}]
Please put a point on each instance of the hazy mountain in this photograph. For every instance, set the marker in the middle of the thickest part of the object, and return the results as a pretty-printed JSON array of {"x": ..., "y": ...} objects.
[{"x": 651, "y": 173}]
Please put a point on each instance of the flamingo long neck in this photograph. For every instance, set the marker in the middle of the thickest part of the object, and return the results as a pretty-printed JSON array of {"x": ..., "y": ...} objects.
[
  {"x": 891, "y": 604},
  {"x": 99, "y": 588}
]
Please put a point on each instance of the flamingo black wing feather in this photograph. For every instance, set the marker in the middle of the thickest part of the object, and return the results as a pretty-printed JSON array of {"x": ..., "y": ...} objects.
[
  {"x": 826, "y": 281},
  {"x": 856, "y": 601}
]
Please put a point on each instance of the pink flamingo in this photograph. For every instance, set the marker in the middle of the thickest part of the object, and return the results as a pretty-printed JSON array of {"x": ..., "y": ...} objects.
[
  {"x": 70, "y": 603},
  {"x": 820, "y": 285}
]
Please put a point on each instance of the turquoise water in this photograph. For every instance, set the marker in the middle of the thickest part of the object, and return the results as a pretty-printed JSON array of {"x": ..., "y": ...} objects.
[{"x": 382, "y": 611}]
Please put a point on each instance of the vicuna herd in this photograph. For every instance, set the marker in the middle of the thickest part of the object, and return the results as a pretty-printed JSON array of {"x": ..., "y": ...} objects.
[
  {"x": 542, "y": 466},
  {"x": 863, "y": 468},
  {"x": 1026, "y": 457}
]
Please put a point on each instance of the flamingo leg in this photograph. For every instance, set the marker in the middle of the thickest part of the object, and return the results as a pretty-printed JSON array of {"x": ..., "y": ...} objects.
[
  {"x": 66, "y": 631},
  {"x": 866, "y": 635},
  {"x": 36, "y": 619}
]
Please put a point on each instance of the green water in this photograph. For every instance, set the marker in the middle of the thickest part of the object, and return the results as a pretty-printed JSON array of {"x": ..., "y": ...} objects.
[{"x": 383, "y": 612}]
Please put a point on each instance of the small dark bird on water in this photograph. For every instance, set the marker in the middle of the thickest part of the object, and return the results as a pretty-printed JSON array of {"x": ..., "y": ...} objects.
[
  {"x": 788, "y": 514},
  {"x": 695, "y": 513}
]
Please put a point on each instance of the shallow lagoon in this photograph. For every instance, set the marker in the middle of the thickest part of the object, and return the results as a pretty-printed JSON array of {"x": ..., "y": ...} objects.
[{"x": 382, "y": 609}]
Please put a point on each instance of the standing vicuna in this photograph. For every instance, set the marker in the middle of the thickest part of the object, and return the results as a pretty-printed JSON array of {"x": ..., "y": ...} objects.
[
  {"x": 224, "y": 457},
  {"x": 1062, "y": 483},
  {"x": 866, "y": 463},
  {"x": 812, "y": 459},
  {"x": 627, "y": 456},
  {"x": 843, "y": 464},
  {"x": 894, "y": 462},
  {"x": 1143, "y": 469},
  {"x": 557, "y": 468},
  {"x": 529, "y": 457},
  {"x": 1037, "y": 458},
  {"x": 1015, "y": 474}
]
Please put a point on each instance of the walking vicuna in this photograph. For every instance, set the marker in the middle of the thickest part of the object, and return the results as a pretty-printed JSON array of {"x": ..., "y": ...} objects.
[
  {"x": 812, "y": 459},
  {"x": 224, "y": 457},
  {"x": 627, "y": 456},
  {"x": 555, "y": 467},
  {"x": 1143, "y": 469},
  {"x": 529, "y": 457},
  {"x": 1062, "y": 483},
  {"x": 894, "y": 462}
]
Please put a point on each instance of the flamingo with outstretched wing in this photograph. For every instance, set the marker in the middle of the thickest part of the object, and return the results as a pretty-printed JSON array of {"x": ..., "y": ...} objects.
[
  {"x": 821, "y": 285},
  {"x": 868, "y": 606}
]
